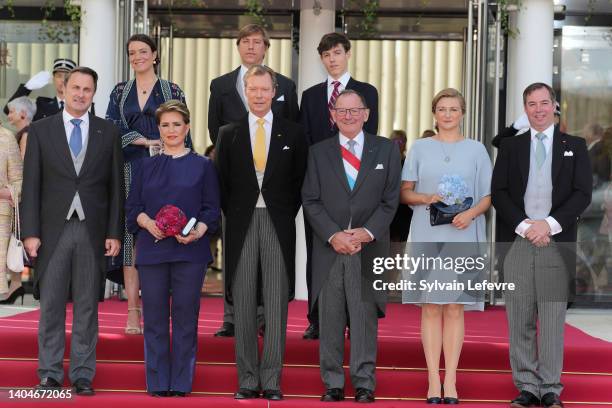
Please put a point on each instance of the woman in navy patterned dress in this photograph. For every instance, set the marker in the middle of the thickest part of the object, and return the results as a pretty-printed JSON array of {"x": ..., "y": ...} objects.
[{"x": 132, "y": 109}]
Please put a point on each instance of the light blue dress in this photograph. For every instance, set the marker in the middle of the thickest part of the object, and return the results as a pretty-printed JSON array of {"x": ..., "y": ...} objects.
[{"x": 425, "y": 165}]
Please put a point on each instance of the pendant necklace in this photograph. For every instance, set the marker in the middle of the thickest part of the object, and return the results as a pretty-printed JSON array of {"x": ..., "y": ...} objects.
[{"x": 447, "y": 156}]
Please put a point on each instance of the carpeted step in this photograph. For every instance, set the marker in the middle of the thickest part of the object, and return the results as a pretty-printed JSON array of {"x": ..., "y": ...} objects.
[{"x": 305, "y": 381}]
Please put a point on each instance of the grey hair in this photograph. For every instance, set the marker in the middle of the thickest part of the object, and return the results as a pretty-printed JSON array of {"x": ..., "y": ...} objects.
[{"x": 25, "y": 105}]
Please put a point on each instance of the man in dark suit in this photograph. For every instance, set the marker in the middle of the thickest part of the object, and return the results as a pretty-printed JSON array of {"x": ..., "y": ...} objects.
[
  {"x": 228, "y": 104},
  {"x": 46, "y": 106},
  {"x": 72, "y": 207},
  {"x": 316, "y": 119},
  {"x": 350, "y": 195},
  {"x": 261, "y": 163},
  {"x": 541, "y": 184}
]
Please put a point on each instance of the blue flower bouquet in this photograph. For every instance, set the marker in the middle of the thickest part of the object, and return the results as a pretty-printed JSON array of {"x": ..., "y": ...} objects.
[{"x": 454, "y": 191}]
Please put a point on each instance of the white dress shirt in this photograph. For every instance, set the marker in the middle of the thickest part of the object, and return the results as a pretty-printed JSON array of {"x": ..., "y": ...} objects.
[
  {"x": 344, "y": 78},
  {"x": 554, "y": 225},
  {"x": 253, "y": 125}
]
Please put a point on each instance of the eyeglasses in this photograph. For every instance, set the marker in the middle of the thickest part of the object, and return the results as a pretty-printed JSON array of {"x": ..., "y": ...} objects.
[{"x": 343, "y": 111}]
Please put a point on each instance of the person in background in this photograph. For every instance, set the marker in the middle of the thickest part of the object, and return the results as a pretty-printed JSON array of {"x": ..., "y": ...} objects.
[
  {"x": 214, "y": 237},
  {"x": 317, "y": 121},
  {"x": 172, "y": 269},
  {"x": 228, "y": 104},
  {"x": 21, "y": 112},
  {"x": 427, "y": 133},
  {"x": 47, "y": 106},
  {"x": 132, "y": 109},
  {"x": 11, "y": 171},
  {"x": 400, "y": 226},
  {"x": 447, "y": 153}
]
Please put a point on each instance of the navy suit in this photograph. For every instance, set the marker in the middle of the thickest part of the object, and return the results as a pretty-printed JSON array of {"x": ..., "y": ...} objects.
[{"x": 314, "y": 115}]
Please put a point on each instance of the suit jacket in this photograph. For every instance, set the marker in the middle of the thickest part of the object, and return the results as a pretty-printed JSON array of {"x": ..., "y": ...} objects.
[
  {"x": 329, "y": 204},
  {"x": 571, "y": 180},
  {"x": 225, "y": 105},
  {"x": 45, "y": 107},
  {"x": 314, "y": 113},
  {"x": 283, "y": 177},
  {"x": 50, "y": 183}
]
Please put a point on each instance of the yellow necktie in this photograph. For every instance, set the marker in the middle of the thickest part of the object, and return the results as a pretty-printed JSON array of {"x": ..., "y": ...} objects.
[{"x": 259, "y": 151}]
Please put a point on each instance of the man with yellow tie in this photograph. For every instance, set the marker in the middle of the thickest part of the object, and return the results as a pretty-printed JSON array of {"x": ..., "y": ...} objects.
[{"x": 261, "y": 162}]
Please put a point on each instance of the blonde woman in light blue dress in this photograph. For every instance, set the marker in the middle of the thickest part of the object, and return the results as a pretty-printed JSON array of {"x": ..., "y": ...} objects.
[{"x": 447, "y": 153}]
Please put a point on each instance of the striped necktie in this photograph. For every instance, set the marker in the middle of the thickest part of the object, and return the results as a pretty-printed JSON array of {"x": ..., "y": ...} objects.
[
  {"x": 332, "y": 102},
  {"x": 351, "y": 163},
  {"x": 540, "y": 152}
]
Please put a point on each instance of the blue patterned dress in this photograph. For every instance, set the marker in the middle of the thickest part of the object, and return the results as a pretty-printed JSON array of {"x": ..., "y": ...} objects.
[{"x": 133, "y": 123}]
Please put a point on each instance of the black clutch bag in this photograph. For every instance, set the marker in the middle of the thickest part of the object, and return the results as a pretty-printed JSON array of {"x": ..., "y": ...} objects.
[{"x": 440, "y": 213}]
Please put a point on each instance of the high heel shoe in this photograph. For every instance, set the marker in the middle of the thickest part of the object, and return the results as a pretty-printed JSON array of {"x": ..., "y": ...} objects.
[
  {"x": 19, "y": 292},
  {"x": 134, "y": 330}
]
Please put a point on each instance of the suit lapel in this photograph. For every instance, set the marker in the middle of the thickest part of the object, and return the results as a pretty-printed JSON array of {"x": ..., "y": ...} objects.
[
  {"x": 558, "y": 148},
  {"x": 235, "y": 94},
  {"x": 94, "y": 139},
  {"x": 245, "y": 150},
  {"x": 524, "y": 148},
  {"x": 335, "y": 159},
  {"x": 60, "y": 143},
  {"x": 368, "y": 157},
  {"x": 277, "y": 139}
]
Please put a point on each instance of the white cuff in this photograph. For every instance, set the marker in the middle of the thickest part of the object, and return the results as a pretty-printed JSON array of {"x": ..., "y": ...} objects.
[
  {"x": 555, "y": 227},
  {"x": 368, "y": 231},
  {"x": 330, "y": 238},
  {"x": 522, "y": 228}
]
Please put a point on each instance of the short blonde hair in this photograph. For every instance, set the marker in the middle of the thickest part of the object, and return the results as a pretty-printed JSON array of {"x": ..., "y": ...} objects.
[
  {"x": 448, "y": 93},
  {"x": 251, "y": 29},
  {"x": 260, "y": 70},
  {"x": 173, "y": 105}
]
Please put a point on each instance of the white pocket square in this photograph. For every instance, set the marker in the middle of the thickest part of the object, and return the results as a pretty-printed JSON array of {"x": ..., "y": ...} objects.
[
  {"x": 568, "y": 153},
  {"x": 379, "y": 166},
  {"x": 281, "y": 98},
  {"x": 286, "y": 148}
]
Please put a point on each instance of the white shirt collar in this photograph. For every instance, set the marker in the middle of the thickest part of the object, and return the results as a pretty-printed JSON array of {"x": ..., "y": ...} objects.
[
  {"x": 253, "y": 118},
  {"x": 549, "y": 132},
  {"x": 68, "y": 117},
  {"x": 359, "y": 139},
  {"x": 344, "y": 78}
]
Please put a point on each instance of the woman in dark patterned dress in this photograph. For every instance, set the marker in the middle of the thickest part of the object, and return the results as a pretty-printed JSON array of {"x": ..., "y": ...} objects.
[{"x": 132, "y": 109}]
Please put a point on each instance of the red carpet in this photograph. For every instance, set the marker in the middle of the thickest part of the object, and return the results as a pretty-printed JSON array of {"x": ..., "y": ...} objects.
[{"x": 485, "y": 379}]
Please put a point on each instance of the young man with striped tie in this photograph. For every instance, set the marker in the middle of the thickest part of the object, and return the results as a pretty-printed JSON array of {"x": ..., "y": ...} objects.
[
  {"x": 350, "y": 195},
  {"x": 317, "y": 102}
]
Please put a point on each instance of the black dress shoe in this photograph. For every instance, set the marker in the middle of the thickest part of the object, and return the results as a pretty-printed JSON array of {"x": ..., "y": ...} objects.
[
  {"x": 311, "y": 333},
  {"x": 363, "y": 395},
  {"x": 434, "y": 400},
  {"x": 158, "y": 394},
  {"x": 48, "y": 383},
  {"x": 261, "y": 331},
  {"x": 82, "y": 386},
  {"x": 226, "y": 330},
  {"x": 273, "y": 395},
  {"x": 525, "y": 399},
  {"x": 551, "y": 400},
  {"x": 451, "y": 400},
  {"x": 245, "y": 393},
  {"x": 176, "y": 394},
  {"x": 333, "y": 395}
]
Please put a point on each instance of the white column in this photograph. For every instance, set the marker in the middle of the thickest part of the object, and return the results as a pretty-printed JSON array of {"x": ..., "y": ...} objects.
[
  {"x": 312, "y": 27},
  {"x": 97, "y": 46},
  {"x": 530, "y": 54},
  {"x": 314, "y": 23}
]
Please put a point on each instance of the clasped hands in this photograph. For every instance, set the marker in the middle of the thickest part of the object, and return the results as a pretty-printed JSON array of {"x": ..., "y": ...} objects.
[
  {"x": 32, "y": 244},
  {"x": 193, "y": 235},
  {"x": 348, "y": 242},
  {"x": 538, "y": 233}
]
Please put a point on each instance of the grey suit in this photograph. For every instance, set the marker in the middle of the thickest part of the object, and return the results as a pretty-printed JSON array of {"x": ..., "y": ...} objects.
[
  {"x": 72, "y": 233},
  {"x": 330, "y": 205}
]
